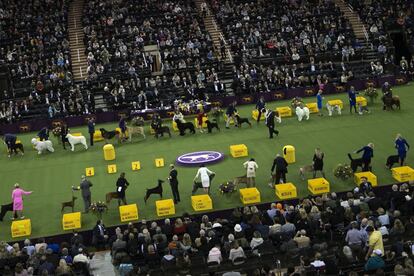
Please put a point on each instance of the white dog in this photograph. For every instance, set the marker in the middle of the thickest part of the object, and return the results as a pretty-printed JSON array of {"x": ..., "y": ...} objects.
[
  {"x": 74, "y": 140},
  {"x": 302, "y": 112},
  {"x": 332, "y": 109},
  {"x": 42, "y": 146}
]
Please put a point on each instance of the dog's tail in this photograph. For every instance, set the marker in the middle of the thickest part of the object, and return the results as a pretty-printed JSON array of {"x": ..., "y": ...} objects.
[{"x": 350, "y": 157}]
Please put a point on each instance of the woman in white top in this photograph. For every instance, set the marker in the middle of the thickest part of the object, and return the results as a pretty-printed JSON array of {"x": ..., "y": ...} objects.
[
  {"x": 178, "y": 116},
  {"x": 204, "y": 175},
  {"x": 251, "y": 167}
]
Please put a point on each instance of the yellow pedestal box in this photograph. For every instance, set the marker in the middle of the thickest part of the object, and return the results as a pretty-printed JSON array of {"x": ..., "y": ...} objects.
[
  {"x": 159, "y": 162},
  {"x": 111, "y": 169},
  {"x": 204, "y": 122},
  {"x": 249, "y": 195},
  {"x": 289, "y": 154},
  {"x": 231, "y": 120},
  {"x": 286, "y": 191},
  {"x": 109, "y": 152},
  {"x": 369, "y": 175},
  {"x": 152, "y": 131},
  {"x": 136, "y": 165},
  {"x": 361, "y": 100},
  {"x": 239, "y": 150},
  {"x": 128, "y": 212},
  {"x": 71, "y": 221},
  {"x": 255, "y": 114},
  {"x": 336, "y": 102},
  {"x": 90, "y": 171},
  {"x": 119, "y": 130},
  {"x": 201, "y": 202},
  {"x": 318, "y": 186},
  {"x": 77, "y": 134},
  {"x": 21, "y": 228},
  {"x": 284, "y": 111},
  {"x": 97, "y": 136},
  {"x": 403, "y": 174},
  {"x": 313, "y": 107},
  {"x": 18, "y": 142},
  {"x": 174, "y": 126},
  {"x": 165, "y": 207}
]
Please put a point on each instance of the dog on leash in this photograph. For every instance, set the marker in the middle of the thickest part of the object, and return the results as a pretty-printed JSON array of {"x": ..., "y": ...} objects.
[
  {"x": 161, "y": 130},
  {"x": 211, "y": 125},
  {"x": 42, "y": 146},
  {"x": 182, "y": 127},
  {"x": 240, "y": 180},
  {"x": 355, "y": 163},
  {"x": 198, "y": 184},
  {"x": 156, "y": 190},
  {"x": 136, "y": 130},
  {"x": 108, "y": 135},
  {"x": 111, "y": 195},
  {"x": 305, "y": 169},
  {"x": 391, "y": 160},
  {"x": 70, "y": 204},
  {"x": 16, "y": 149},
  {"x": 74, "y": 140},
  {"x": 6, "y": 208},
  {"x": 241, "y": 121}
]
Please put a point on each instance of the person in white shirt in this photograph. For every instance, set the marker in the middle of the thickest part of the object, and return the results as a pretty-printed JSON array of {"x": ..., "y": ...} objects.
[
  {"x": 251, "y": 167},
  {"x": 215, "y": 255},
  {"x": 81, "y": 258},
  {"x": 204, "y": 174},
  {"x": 178, "y": 116},
  {"x": 236, "y": 252}
]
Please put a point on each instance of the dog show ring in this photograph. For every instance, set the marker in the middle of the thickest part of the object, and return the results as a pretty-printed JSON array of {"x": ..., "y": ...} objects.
[
  {"x": 199, "y": 157},
  {"x": 109, "y": 152}
]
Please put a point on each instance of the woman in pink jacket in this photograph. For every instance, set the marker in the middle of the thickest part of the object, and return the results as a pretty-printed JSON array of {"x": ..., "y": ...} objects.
[{"x": 17, "y": 197}]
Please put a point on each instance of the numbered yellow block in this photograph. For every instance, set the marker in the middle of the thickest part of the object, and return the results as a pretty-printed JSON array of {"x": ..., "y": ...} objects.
[
  {"x": 128, "y": 212},
  {"x": 21, "y": 228},
  {"x": 165, "y": 207},
  {"x": 109, "y": 152},
  {"x": 71, "y": 221},
  {"x": 174, "y": 126},
  {"x": 361, "y": 100},
  {"x": 403, "y": 174},
  {"x": 239, "y": 150},
  {"x": 159, "y": 162},
  {"x": 90, "y": 171},
  {"x": 284, "y": 111},
  {"x": 255, "y": 114},
  {"x": 119, "y": 130},
  {"x": 249, "y": 195},
  {"x": 369, "y": 175},
  {"x": 97, "y": 136},
  {"x": 77, "y": 134},
  {"x": 318, "y": 186},
  {"x": 201, "y": 202},
  {"x": 336, "y": 102},
  {"x": 286, "y": 191},
  {"x": 204, "y": 122},
  {"x": 289, "y": 153},
  {"x": 112, "y": 168},
  {"x": 313, "y": 107},
  {"x": 136, "y": 165},
  {"x": 231, "y": 119}
]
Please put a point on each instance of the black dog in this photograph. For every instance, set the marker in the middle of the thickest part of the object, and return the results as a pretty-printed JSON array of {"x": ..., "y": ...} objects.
[
  {"x": 156, "y": 190},
  {"x": 355, "y": 163},
  {"x": 160, "y": 131},
  {"x": 241, "y": 121},
  {"x": 182, "y": 127},
  {"x": 197, "y": 185},
  {"x": 108, "y": 135},
  {"x": 391, "y": 160},
  {"x": 16, "y": 149},
  {"x": 6, "y": 208},
  {"x": 211, "y": 125}
]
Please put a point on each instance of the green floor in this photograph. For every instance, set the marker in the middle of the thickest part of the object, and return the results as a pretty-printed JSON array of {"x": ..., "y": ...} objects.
[{"x": 51, "y": 176}]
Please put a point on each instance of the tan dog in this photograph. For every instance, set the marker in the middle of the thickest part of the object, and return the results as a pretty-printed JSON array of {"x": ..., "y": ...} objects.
[
  {"x": 110, "y": 196},
  {"x": 305, "y": 169},
  {"x": 240, "y": 179},
  {"x": 135, "y": 130}
]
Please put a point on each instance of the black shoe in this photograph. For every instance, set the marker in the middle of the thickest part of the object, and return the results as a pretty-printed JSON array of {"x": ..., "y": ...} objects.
[{"x": 277, "y": 133}]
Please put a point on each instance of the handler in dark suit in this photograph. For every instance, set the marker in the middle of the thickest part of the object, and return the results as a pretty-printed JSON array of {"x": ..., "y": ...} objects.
[
  {"x": 174, "y": 183},
  {"x": 270, "y": 122},
  {"x": 279, "y": 169},
  {"x": 63, "y": 132},
  {"x": 43, "y": 134},
  {"x": 10, "y": 141},
  {"x": 121, "y": 186},
  {"x": 85, "y": 186},
  {"x": 91, "y": 130},
  {"x": 99, "y": 236},
  {"x": 367, "y": 155}
]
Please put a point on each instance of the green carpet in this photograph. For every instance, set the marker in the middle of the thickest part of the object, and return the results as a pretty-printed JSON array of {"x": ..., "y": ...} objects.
[{"x": 51, "y": 176}]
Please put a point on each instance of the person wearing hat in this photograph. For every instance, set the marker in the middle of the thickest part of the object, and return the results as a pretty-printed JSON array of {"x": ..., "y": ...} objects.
[
  {"x": 17, "y": 197},
  {"x": 374, "y": 241},
  {"x": 172, "y": 178},
  {"x": 85, "y": 186},
  {"x": 251, "y": 167},
  {"x": 375, "y": 261}
]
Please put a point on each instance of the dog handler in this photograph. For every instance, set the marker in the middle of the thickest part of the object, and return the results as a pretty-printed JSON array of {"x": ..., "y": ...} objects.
[
  {"x": 368, "y": 153},
  {"x": 17, "y": 197},
  {"x": 251, "y": 167},
  {"x": 402, "y": 146},
  {"x": 121, "y": 186},
  {"x": 10, "y": 141},
  {"x": 204, "y": 174},
  {"x": 174, "y": 183}
]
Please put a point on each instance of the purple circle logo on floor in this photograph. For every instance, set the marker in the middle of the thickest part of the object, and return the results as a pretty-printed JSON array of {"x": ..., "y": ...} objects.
[{"x": 199, "y": 157}]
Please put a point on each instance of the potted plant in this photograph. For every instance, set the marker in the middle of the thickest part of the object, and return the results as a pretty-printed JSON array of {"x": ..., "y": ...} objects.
[
  {"x": 343, "y": 171},
  {"x": 372, "y": 93},
  {"x": 98, "y": 208}
]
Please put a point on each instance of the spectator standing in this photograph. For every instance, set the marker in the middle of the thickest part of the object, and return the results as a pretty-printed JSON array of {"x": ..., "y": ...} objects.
[
  {"x": 99, "y": 237},
  {"x": 374, "y": 242}
]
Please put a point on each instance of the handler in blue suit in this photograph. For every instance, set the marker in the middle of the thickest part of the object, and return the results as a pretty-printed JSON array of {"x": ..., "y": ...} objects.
[
  {"x": 319, "y": 100},
  {"x": 402, "y": 146},
  {"x": 10, "y": 141},
  {"x": 43, "y": 134},
  {"x": 259, "y": 106},
  {"x": 368, "y": 153},
  {"x": 352, "y": 99}
]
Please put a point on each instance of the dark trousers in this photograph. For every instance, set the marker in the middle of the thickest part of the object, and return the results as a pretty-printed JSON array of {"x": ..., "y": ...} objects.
[
  {"x": 87, "y": 202},
  {"x": 366, "y": 165},
  {"x": 350, "y": 108},
  {"x": 122, "y": 199},
  {"x": 91, "y": 138},
  {"x": 259, "y": 116},
  {"x": 64, "y": 141},
  {"x": 272, "y": 131},
  {"x": 280, "y": 175},
  {"x": 175, "y": 192}
]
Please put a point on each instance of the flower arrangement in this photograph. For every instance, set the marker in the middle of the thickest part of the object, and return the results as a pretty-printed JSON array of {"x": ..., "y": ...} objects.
[
  {"x": 296, "y": 101},
  {"x": 98, "y": 208},
  {"x": 227, "y": 187},
  {"x": 343, "y": 171},
  {"x": 56, "y": 131},
  {"x": 372, "y": 93}
]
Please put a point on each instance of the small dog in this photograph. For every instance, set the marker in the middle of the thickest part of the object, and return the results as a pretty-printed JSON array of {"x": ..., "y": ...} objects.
[
  {"x": 161, "y": 130},
  {"x": 305, "y": 169},
  {"x": 70, "y": 204},
  {"x": 355, "y": 163},
  {"x": 155, "y": 190},
  {"x": 184, "y": 126},
  {"x": 136, "y": 130},
  {"x": 239, "y": 180},
  {"x": 110, "y": 196},
  {"x": 241, "y": 121},
  {"x": 108, "y": 135},
  {"x": 391, "y": 160},
  {"x": 16, "y": 149},
  {"x": 211, "y": 125},
  {"x": 6, "y": 208}
]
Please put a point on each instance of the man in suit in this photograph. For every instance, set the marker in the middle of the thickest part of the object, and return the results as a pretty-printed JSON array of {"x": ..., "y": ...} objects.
[
  {"x": 260, "y": 105},
  {"x": 121, "y": 186},
  {"x": 91, "y": 130},
  {"x": 43, "y": 134},
  {"x": 279, "y": 170},
  {"x": 99, "y": 235},
  {"x": 85, "y": 186},
  {"x": 174, "y": 183},
  {"x": 270, "y": 122},
  {"x": 63, "y": 132}
]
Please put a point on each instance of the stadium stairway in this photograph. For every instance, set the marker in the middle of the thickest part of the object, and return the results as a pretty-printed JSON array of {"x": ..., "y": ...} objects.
[
  {"x": 77, "y": 48},
  {"x": 353, "y": 17}
]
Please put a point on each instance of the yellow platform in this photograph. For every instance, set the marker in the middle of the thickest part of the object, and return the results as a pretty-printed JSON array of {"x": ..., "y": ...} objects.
[
  {"x": 403, "y": 174},
  {"x": 204, "y": 122},
  {"x": 97, "y": 136},
  {"x": 201, "y": 202},
  {"x": 336, "y": 102},
  {"x": 109, "y": 152},
  {"x": 231, "y": 120},
  {"x": 239, "y": 150},
  {"x": 71, "y": 221},
  {"x": 165, "y": 207},
  {"x": 77, "y": 134},
  {"x": 174, "y": 126},
  {"x": 369, "y": 175},
  {"x": 249, "y": 195},
  {"x": 284, "y": 111},
  {"x": 119, "y": 130},
  {"x": 255, "y": 114},
  {"x": 361, "y": 100},
  {"x": 313, "y": 107},
  {"x": 285, "y": 191},
  {"x": 318, "y": 186},
  {"x": 128, "y": 212},
  {"x": 21, "y": 228}
]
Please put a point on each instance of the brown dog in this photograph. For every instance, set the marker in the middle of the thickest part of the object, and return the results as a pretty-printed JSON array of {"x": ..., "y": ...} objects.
[
  {"x": 305, "y": 169},
  {"x": 110, "y": 196},
  {"x": 239, "y": 180},
  {"x": 70, "y": 204}
]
